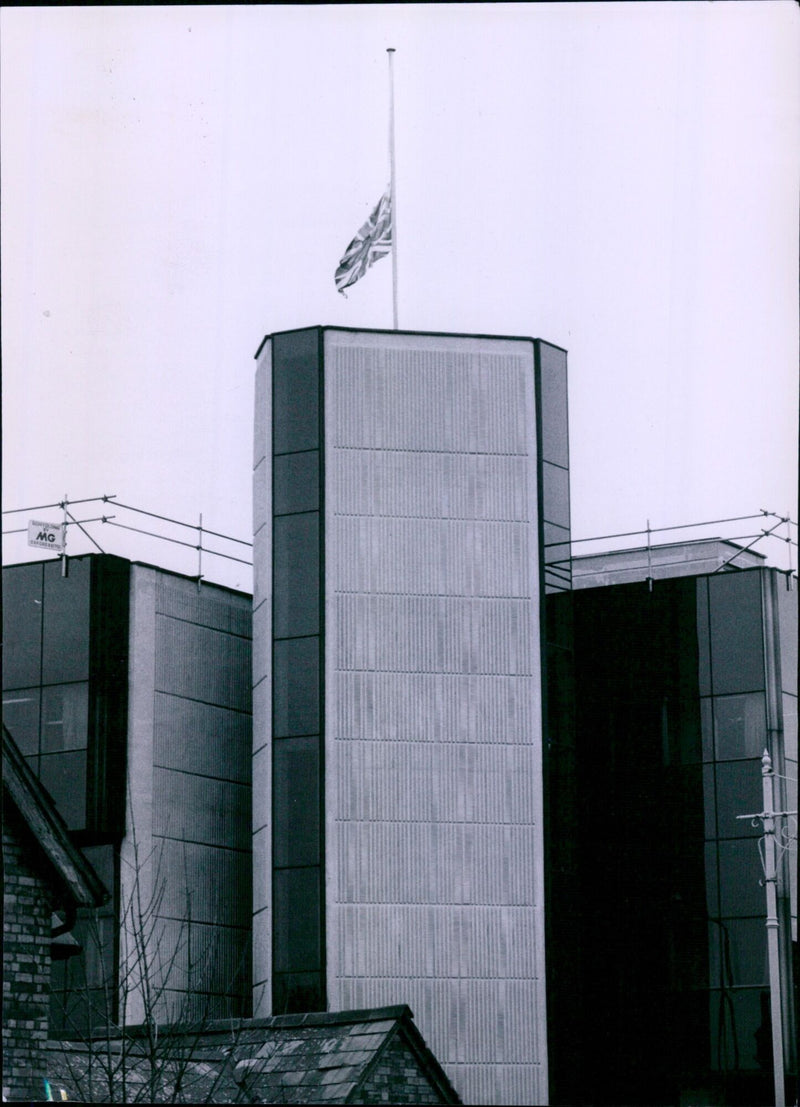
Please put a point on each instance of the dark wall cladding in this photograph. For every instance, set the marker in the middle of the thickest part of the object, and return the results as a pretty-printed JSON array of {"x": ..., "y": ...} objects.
[
  {"x": 296, "y": 802},
  {"x": 296, "y": 568},
  {"x": 295, "y": 395},
  {"x": 296, "y": 686},
  {"x": 295, "y": 482},
  {"x": 295, "y": 701}
]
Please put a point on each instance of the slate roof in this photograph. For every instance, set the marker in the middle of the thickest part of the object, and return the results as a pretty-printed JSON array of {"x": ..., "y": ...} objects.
[{"x": 312, "y": 1058}]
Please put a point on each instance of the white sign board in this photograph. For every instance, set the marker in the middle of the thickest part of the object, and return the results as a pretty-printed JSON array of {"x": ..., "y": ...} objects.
[{"x": 47, "y": 536}]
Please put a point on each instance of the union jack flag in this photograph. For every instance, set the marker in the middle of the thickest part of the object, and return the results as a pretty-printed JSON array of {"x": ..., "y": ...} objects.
[{"x": 373, "y": 241}]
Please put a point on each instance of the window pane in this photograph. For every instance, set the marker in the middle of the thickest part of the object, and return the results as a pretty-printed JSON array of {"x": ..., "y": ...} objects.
[
  {"x": 740, "y": 873},
  {"x": 712, "y": 880},
  {"x": 709, "y": 802},
  {"x": 738, "y": 949},
  {"x": 741, "y": 729},
  {"x": 296, "y": 801},
  {"x": 739, "y": 792},
  {"x": 22, "y": 625},
  {"x": 21, "y": 716},
  {"x": 555, "y": 494},
  {"x": 65, "y": 646},
  {"x": 296, "y": 575},
  {"x": 295, "y": 483},
  {"x": 297, "y": 920},
  {"x": 296, "y": 687},
  {"x": 64, "y": 777},
  {"x": 737, "y": 663},
  {"x": 65, "y": 717},
  {"x": 707, "y": 724},
  {"x": 555, "y": 431},
  {"x": 295, "y": 390},
  {"x": 740, "y": 1034}
]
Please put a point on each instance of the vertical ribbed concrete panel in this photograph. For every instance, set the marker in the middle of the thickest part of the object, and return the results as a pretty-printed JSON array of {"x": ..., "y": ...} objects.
[
  {"x": 187, "y": 850},
  {"x": 433, "y": 781}
]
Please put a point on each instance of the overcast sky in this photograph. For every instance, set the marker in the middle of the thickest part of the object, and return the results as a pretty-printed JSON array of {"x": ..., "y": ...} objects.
[{"x": 621, "y": 180}]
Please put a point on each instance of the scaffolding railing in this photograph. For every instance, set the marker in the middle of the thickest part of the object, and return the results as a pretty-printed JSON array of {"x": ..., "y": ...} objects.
[
  {"x": 772, "y": 541},
  {"x": 123, "y": 511}
]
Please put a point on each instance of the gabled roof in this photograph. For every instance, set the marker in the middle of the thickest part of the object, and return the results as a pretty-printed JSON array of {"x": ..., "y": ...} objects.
[
  {"x": 312, "y": 1058},
  {"x": 70, "y": 871}
]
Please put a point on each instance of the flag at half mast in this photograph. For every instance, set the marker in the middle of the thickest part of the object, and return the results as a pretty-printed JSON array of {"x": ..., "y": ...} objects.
[{"x": 373, "y": 241}]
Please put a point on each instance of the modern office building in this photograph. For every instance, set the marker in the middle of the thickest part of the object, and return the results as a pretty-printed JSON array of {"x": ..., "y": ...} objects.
[
  {"x": 685, "y": 672},
  {"x": 411, "y": 509},
  {"x": 127, "y": 689}
]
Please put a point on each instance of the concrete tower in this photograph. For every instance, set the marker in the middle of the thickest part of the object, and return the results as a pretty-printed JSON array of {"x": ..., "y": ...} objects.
[{"x": 405, "y": 486}]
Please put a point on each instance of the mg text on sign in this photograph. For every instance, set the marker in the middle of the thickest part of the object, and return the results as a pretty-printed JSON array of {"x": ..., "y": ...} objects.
[{"x": 47, "y": 536}]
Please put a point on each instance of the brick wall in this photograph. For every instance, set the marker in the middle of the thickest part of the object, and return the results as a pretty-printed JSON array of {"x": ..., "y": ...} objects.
[
  {"x": 397, "y": 1078},
  {"x": 27, "y": 906}
]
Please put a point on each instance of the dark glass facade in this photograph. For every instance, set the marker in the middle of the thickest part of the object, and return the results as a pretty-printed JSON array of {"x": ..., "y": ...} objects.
[
  {"x": 65, "y": 695},
  {"x": 673, "y": 687},
  {"x": 298, "y": 982},
  {"x": 65, "y": 683}
]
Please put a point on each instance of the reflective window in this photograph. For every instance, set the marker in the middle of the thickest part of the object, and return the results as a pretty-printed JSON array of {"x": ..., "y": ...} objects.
[
  {"x": 738, "y": 949},
  {"x": 296, "y": 575},
  {"x": 707, "y": 725},
  {"x": 64, "y": 777},
  {"x": 703, "y": 639},
  {"x": 555, "y": 431},
  {"x": 740, "y": 1030},
  {"x": 737, "y": 662},
  {"x": 709, "y": 802},
  {"x": 297, "y": 920},
  {"x": 555, "y": 494},
  {"x": 740, "y": 873},
  {"x": 21, "y": 716},
  {"x": 787, "y": 621},
  {"x": 557, "y": 547},
  {"x": 712, "y": 880},
  {"x": 295, "y": 686},
  {"x": 296, "y": 796},
  {"x": 295, "y": 390},
  {"x": 741, "y": 728},
  {"x": 65, "y": 717},
  {"x": 65, "y": 622},
  {"x": 22, "y": 625},
  {"x": 739, "y": 792},
  {"x": 295, "y": 483}
]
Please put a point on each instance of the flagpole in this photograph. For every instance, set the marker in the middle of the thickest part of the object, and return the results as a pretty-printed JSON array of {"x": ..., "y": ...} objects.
[{"x": 392, "y": 187}]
